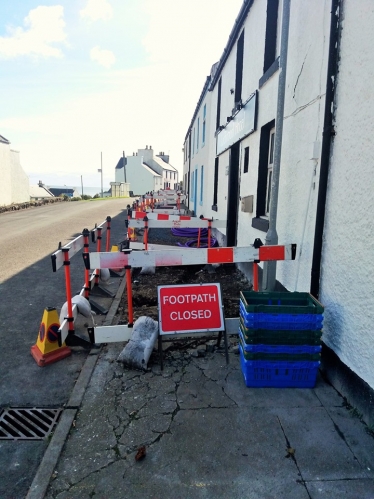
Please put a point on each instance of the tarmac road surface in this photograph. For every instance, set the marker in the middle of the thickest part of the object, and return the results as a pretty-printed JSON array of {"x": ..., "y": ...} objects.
[{"x": 27, "y": 286}]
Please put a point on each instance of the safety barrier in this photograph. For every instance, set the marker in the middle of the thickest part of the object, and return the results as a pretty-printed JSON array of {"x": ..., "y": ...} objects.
[
  {"x": 62, "y": 257},
  {"x": 174, "y": 257}
]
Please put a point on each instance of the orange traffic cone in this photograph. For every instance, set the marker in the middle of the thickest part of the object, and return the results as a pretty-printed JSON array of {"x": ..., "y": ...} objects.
[{"x": 46, "y": 350}]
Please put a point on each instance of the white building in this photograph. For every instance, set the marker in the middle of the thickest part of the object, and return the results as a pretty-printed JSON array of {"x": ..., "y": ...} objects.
[
  {"x": 146, "y": 171},
  {"x": 14, "y": 185},
  {"x": 325, "y": 202}
]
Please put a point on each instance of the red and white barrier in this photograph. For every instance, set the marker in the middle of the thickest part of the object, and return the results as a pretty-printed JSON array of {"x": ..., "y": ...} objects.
[
  {"x": 173, "y": 221},
  {"x": 184, "y": 256}
]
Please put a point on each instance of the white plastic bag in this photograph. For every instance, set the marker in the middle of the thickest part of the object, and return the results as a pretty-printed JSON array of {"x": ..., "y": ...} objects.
[
  {"x": 83, "y": 307},
  {"x": 138, "y": 350}
]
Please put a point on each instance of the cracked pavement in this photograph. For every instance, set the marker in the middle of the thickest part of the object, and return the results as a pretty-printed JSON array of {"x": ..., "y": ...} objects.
[{"x": 209, "y": 436}]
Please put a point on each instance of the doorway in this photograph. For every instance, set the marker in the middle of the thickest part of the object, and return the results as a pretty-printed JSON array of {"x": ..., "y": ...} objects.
[{"x": 233, "y": 196}]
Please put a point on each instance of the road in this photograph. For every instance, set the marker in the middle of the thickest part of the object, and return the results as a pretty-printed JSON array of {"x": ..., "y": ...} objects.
[{"x": 27, "y": 286}]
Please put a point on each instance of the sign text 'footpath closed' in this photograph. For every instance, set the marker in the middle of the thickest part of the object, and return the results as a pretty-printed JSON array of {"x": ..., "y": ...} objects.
[{"x": 190, "y": 308}]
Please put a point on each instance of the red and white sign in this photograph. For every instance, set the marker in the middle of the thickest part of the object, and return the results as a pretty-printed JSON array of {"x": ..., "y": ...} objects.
[{"x": 190, "y": 308}]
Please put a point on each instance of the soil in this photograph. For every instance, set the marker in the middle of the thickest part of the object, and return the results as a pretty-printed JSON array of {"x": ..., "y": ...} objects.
[{"x": 144, "y": 289}]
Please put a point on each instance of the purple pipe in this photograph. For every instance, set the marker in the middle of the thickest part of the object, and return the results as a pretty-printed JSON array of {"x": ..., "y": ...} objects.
[{"x": 188, "y": 232}]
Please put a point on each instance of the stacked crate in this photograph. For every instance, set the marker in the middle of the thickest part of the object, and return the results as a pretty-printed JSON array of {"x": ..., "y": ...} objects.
[{"x": 280, "y": 339}]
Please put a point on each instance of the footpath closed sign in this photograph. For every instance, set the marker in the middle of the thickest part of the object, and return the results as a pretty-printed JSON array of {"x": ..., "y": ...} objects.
[{"x": 190, "y": 308}]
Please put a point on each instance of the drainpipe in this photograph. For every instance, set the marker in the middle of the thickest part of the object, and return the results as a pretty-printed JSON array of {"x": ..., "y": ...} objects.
[
  {"x": 270, "y": 268},
  {"x": 189, "y": 171},
  {"x": 328, "y": 133}
]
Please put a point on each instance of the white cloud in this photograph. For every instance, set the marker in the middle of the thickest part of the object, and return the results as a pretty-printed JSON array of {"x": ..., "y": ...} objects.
[
  {"x": 97, "y": 9},
  {"x": 105, "y": 58},
  {"x": 43, "y": 26}
]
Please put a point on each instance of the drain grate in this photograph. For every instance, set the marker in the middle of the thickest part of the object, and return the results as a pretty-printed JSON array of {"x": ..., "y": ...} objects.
[{"x": 27, "y": 423}]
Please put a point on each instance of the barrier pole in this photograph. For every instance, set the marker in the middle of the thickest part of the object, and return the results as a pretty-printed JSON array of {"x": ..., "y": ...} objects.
[
  {"x": 198, "y": 237},
  {"x": 209, "y": 231},
  {"x": 152, "y": 203},
  {"x": 70, "y": 317},
  {"x": 255, "y": 276},
  {"x": 86, "y": 245},
  {"x": 129, "y": 216},
  {"x": 98, "y": 249},
  {"x": 129, "y": 295},
  {"x": 107, "y": 245},
  {"x": 145, "y": 219}
]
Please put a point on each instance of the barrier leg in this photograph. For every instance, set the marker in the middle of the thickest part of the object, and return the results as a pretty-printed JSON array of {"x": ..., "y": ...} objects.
[
  {"x": 98, "y": 249},
  {"x": 107, "y": 245},
  {"x": 129, "y": 295},
  {"x": 255, "y": 276},
  {"x": 146, "y": 233},
  {"x": 86, "y": 234},
  {"x": 70, "y": 317}
]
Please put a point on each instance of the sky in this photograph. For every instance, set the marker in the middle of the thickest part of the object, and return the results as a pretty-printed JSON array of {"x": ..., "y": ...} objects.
[{"x": 83, "y": 80}]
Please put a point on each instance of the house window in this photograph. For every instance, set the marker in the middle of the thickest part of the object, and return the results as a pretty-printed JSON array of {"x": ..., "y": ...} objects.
[
  {"x": 215, "y": 186},
  {"x": 246, "y": 160},
  {"x": 270, "y": 171},
  {"x": 272, "y": 38},
  {"x": 202, "y": 185},
  {"x": 265, "y": 173},
  {"x": 219, "y": 91},
  {"x": 239, "y": 68},
  {"x": 198, "y": 134},
  {"x": 193, "y": 142},
  {"x": 192, "y": 186}
]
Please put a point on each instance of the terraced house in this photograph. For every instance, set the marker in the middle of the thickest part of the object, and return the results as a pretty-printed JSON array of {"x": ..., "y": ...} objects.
[{"x": 279, "y": 147}]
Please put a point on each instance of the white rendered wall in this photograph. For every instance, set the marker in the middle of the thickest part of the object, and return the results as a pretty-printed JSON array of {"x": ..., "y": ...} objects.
[
  {"x": 19, "y": 180},
  {"x": 347, "y": 279},
  {"x": 140, "y": 180},
  {"x": 14, "y": 185},
  {"x": 5, "y": 169}
]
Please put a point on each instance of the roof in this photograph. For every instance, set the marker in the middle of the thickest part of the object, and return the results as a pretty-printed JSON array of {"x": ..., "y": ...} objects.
[
  {"x": 57, "y": 191},
  {"x": 4, "y": 140},
  {"x": 150, "y": 170},
  {"x": 164, "y": 164},
  {"x": 120, "y": 163},
  {"x": 36, "y": 191}
]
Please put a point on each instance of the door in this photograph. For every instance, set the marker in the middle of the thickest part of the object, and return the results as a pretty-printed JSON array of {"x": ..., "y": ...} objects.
[{"x": 233, "y": 196}]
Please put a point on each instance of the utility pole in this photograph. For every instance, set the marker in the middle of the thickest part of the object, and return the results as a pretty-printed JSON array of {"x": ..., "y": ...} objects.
[
  {"x": 82, "y": 184},
  {"x": 270, "y": 268},
  {"x": 124, "y": 164},
  {"x": 101, "y": 169}
]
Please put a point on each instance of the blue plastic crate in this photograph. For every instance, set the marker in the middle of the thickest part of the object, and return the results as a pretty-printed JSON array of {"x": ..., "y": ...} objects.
[
  {"x": 281, "y": 349},
  {"x": 281, "y": 321},
  {"x": 279, "y": 374}
]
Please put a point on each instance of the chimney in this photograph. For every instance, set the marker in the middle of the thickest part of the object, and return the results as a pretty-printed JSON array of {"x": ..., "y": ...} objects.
[
  {"x": 146, "y": 147},
  {"x": 40, "y": 183},
  {"x": 150, "y": 147}
]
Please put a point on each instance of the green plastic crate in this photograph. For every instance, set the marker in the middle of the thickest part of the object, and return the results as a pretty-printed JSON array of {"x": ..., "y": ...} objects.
[
  {"x": 275, "y": 337},
  {"x": 280, "y": 303}
]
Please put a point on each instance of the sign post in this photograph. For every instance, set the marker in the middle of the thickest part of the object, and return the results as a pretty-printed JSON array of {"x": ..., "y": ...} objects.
[{"x": 190, "y": 309}]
